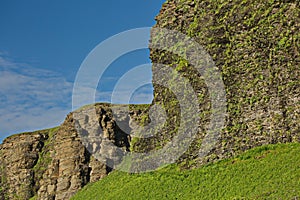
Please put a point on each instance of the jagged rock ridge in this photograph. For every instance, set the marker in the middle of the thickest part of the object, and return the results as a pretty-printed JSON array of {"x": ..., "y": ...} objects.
[{"x": 54, "y": 163}]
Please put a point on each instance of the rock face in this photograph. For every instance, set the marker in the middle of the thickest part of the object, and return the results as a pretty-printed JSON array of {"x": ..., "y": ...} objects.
[
  {"x": 18, "y": 157},
  {"x": 54, "y": 163},
  {"x": 255, "y": 46}
]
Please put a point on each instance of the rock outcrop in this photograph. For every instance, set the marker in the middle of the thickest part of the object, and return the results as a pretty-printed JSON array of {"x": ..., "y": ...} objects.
[
  {"x": 55, "y": 164},
  {"x": 19, "y": 155},
  {"x": 255, "y": 47}
]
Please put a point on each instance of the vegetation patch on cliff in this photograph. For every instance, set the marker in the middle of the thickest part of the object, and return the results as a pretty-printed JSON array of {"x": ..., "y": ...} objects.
[{"x": 44, "y": 157}]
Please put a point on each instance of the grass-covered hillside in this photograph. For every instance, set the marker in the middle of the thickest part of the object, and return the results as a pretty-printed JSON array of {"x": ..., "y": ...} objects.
[{"x": 267, "y": 172}]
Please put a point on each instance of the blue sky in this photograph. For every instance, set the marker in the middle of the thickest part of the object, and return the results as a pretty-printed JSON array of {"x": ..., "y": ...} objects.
[{"x": 42, "y": 45}]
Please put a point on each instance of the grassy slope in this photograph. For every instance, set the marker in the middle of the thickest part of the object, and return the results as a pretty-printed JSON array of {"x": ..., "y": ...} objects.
[{"x": 268, "y": 172}]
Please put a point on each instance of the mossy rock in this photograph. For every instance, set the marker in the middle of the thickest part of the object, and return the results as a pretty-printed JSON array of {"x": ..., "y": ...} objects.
[{"x": 255, "y": 46}]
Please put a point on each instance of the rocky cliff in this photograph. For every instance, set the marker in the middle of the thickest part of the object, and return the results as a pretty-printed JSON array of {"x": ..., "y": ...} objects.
[
  {"x": 54, "y": 163},
  {"x": 255, "y": 47}
]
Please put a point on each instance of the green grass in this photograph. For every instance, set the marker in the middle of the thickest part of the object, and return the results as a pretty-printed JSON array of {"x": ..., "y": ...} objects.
[
  {"x": 267, "y": 172},
  {"x": 33, "y": 198}
]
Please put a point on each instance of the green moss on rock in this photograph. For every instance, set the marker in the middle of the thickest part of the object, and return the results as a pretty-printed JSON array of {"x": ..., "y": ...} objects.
[{"x": 255, "y": 45}]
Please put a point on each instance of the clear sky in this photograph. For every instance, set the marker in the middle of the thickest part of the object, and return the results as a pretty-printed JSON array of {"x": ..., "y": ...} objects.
[{"x": 42, "y": 45}]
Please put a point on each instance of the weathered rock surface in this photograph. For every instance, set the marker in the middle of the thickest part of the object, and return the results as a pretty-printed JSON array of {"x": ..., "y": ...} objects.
[
  {"x": 255, "y": 46},
  {"x": 56, "y": 163},
  {"x": 18, "y": 157}
]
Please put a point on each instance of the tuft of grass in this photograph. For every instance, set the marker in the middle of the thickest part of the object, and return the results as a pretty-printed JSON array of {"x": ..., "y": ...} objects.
[
  {"x": 267, "y": 172},
  {"x": 33, "y": 198}
]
